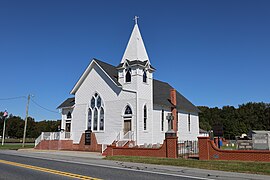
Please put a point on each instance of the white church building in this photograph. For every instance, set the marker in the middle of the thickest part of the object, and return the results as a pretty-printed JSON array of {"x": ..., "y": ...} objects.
[{"x": 126, "y": 102}]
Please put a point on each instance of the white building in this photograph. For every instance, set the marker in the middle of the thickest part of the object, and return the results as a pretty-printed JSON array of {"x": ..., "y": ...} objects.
[{"x": 125, "y": 101}]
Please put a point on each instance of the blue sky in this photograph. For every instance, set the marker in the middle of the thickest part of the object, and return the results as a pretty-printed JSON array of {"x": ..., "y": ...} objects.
[{"x": 215, "y": 53}]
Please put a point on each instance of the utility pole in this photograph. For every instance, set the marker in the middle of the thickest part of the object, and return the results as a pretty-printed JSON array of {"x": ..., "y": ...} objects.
[
  {"x": 25, "y": 122},
  {"x": 4, "y": 127}
]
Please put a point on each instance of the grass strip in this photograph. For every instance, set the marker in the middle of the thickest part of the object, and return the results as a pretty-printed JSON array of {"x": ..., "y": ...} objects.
[
  {"x": 231, "y": 166},
  {"x": 15, "y": 146}
]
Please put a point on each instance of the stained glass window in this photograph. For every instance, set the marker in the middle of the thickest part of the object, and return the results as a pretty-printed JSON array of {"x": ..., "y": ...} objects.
[
  {"x": 128, "y": 110},
  {"x": 95, "y": 120},
  {"x": 93, "y": 102},
  {"x": 96, "y": 114},
  {"x": 101, "y": 122}
]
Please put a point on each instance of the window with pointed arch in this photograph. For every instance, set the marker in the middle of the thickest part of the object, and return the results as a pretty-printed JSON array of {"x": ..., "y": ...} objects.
[
  {"x": 144, "y": 117},
  {"x": 96, "y": 114},
  {"x": 128, "y": 110},
  {"x": 145, "y": 76},
  {"x": 128, "y": 75},
  {"x": 69, "y": 115}
]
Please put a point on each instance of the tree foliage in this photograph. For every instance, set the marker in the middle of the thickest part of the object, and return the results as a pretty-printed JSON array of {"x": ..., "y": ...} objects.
[
  {"x": 236, "y": 121},
  {"x": 15, "y": 126}
]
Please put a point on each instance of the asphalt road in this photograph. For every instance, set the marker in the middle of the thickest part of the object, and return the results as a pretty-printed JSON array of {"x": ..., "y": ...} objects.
[{"x": 19, "y": 167}]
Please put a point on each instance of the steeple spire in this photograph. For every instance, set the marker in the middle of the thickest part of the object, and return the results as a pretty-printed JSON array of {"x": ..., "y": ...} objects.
[{"x": 135, "y": 49}]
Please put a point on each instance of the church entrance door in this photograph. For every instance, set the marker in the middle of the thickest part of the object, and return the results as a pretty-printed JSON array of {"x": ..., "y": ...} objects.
[{"x": 127, "y": 125}]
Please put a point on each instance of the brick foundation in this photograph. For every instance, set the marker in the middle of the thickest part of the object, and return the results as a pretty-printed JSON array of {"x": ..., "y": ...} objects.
[
  {"x": 68, "y": 145},
  {"x": 167, "y": 150},
  {"x": 94, "y": 147},
  {"x": 209, "y": 151},
  {"x": 55, "y": 145}
]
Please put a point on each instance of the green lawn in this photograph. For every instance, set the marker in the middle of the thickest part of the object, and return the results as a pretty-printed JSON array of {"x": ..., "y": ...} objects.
[
  {"x": 232, "y": 166},
  {"x": 16, "y": 146}
]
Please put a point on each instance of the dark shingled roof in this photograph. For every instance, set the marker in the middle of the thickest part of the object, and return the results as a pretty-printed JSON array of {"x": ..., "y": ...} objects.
[
  {"x": 161, "y": 92},
  {"x": 110, "y": 70},
  {"x": 67, "y": 103},
  {"x": 162, "y": 97}
]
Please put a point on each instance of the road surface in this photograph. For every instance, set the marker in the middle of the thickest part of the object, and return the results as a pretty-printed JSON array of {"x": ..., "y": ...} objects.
[
  {"x": 18, "y": 167},
  {"x": 34, "y": 164}
]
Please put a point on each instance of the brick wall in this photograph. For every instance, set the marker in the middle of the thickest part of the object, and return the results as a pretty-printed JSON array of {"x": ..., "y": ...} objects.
[
  {"x": 174, "y": 110},
  {"x": 55, "y": 145},
  {"x": 209, "y": 151},
  {"x": 94, "y": 147},
  {"x": 168, "y": 149},
  {"x": 68, "y": 144}
]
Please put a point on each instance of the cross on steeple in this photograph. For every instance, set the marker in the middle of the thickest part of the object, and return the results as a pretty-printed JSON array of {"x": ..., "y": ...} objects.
[{"x": 136, "y": 19}]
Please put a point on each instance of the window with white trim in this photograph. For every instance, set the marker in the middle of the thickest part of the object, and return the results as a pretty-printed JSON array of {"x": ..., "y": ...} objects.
[
  {"x": 128, "y": 75},
  {"x": 69, "y": 115},
  {"x": 162, "y": 120},
  {"x": 96, "y": 114},
  {"x": 189, "y": 122},
  {"x": 128, "y": 110},
  {"x": 144, "y": 117},
  {"x": 145, "y": 76}
]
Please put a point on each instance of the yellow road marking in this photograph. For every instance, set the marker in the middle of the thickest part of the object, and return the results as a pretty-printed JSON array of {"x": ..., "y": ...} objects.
[{"x": 52, "y": 171}]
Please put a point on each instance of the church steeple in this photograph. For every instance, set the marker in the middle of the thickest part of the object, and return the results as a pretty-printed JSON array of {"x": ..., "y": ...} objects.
[{"x": 135, "y": 49}]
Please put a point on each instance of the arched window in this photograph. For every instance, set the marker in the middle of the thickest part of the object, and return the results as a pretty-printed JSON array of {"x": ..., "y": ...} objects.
[
  {"x": 101, "y": 122},
  {"x": 144, "y": 76},
  {"x": 89, "y": 124},
  {"x": 144, "y": 117},
  {"x": 95, "y": 120},
  {"x": 93, "y": 102},
  {"x": 128, "y": 111},
  {"x": 69, "y": 115},
  {"x": 128, "y": 75},
  {"x": 96, "y": 114}
]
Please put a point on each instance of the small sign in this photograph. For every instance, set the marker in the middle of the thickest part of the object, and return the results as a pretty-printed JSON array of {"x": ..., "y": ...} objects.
[
  {"x": 218, "y": 130},
  {"x": 88, "y": 137},
  {"x": 261, "y": 141}
]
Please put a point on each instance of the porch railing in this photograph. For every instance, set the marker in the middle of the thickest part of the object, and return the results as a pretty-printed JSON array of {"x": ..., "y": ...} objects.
[
  {"x": 122, "y": 139},
  {"x": 52, "y": 136},
  {"x": 129, "y": 135}
]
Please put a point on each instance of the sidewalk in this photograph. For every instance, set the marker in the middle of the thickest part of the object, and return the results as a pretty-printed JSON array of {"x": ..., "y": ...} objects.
[{"x": 46, "y": 153}]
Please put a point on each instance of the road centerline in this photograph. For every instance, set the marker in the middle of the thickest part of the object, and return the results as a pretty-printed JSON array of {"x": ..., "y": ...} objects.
[{"x": 52, "y": 171}]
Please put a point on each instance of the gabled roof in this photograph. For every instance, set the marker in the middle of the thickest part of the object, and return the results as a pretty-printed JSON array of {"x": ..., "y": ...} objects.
[
  {"x": 161, "y": 90},
  {"x": 135, "y": 49},
  {"x": 162, "y": 97},
  {"x": 67, "y": 103},
  {"x": 108, "y": 69}
]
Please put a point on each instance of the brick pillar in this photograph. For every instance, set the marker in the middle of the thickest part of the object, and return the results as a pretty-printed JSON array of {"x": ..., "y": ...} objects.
[
  {"x": 203, "y": 148},
  {"x": 171, "y": 147},
  {"x": 174, "y": 110}
]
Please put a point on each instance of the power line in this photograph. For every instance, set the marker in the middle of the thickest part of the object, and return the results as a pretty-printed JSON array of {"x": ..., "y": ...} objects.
[
  {"x": 43, "y": 107},
  {"x": 11, "y": 98}
]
